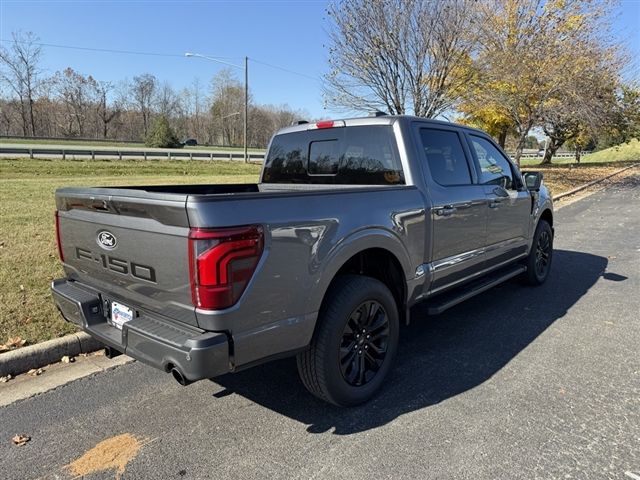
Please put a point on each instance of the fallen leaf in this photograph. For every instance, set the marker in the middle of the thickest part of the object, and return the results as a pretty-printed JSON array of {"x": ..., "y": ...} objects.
[
  {"x": 12, "y": 343},
  {"x": 22, "y": 288},
  {"x": 67, "y": 359},
  {"x": 21, "y": 440},
  {"x": 34, "y": 372},
  {"x": 6, "y": 378}
]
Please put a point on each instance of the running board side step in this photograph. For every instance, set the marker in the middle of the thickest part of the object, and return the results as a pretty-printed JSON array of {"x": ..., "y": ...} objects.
[{"x": 450, "y": 299}]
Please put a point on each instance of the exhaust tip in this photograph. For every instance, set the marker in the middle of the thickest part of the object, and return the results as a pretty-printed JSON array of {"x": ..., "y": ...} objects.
[{"x": 179, "y": 377}]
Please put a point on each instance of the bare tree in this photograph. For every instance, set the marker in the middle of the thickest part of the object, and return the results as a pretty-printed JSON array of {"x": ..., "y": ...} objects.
[
  {"x": 143, "y": 90},
  {"x": 227, "y": 104},
  {"x": 197, "y": 101},
  {"x": 166, "y": 100},
  {"x": 76, "y": 93},
  {"x": 7, "y": 112},
  {"x": 398, "y": 55},
  {"x": 20, "y": 71},
  {"x": 106, "y": 112}
]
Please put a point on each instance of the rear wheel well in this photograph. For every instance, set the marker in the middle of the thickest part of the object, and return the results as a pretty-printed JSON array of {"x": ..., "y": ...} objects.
[{"x": 382, "y": 265}]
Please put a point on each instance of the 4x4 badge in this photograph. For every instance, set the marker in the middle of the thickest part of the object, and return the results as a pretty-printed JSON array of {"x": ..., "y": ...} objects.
[{"x": 107, "y": 240}]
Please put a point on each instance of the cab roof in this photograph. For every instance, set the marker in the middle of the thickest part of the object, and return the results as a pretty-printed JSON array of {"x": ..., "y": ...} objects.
[{"x": 371, "y": 120}]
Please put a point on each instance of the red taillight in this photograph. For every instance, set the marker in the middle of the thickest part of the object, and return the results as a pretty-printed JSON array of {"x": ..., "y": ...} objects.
[
  {"x": 58, "y": 241},
  {"x": 324, "y": 124},
  {"x": 221, "y": 263}
]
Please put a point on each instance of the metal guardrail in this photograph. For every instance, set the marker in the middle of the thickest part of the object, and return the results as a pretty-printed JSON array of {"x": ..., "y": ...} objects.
[
  {"x": 97, "y": 142},
  {"x": 556, "y": 155},
  {"x": 140, "y": 154}
]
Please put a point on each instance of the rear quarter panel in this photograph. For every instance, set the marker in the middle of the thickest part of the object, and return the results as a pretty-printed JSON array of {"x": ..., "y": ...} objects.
[{"x": 308, "y": 237}]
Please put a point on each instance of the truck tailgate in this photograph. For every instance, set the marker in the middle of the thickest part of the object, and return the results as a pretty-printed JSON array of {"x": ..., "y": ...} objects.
[{"x": 130, "y": 245}]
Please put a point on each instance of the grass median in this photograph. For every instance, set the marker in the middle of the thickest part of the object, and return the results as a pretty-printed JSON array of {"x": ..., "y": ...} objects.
[{"x": 28, "y": 258}]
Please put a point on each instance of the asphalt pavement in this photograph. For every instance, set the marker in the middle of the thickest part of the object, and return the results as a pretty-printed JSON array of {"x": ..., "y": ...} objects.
[{"x": 519, "y": 382}]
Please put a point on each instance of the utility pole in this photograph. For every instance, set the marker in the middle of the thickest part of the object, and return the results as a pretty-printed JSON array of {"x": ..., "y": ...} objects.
[
  {"x": 246, "y": 106},
  {"x": 246, "y": 92}
]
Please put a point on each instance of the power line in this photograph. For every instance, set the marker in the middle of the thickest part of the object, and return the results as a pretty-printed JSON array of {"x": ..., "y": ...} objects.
[
  {"x": 277, "y": 67},
  {"x": 154, "y": 54},
  {"x": 104, "y": 50}
]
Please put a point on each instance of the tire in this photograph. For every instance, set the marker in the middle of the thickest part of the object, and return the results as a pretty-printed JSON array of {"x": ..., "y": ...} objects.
[
  {"x": 539, "y": 260},
  {"x": 331, "y": 368}
]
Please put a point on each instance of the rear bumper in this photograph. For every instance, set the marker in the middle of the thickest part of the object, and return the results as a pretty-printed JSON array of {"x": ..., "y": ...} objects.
[{"x": 149, "y": 338}]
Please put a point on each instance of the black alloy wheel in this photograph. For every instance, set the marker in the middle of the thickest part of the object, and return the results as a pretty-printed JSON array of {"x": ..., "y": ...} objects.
[
  {"x": 543, "y": 253},
  {"x": 364, "y": 343}
]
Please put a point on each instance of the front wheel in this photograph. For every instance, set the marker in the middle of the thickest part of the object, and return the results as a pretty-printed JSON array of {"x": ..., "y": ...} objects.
[
  {"x": 354, "y": 343},
  {"x": 539, "y": 260}
]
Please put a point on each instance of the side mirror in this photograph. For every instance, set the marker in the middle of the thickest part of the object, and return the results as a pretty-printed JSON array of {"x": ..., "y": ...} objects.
[{"x": 533, "y": 180}]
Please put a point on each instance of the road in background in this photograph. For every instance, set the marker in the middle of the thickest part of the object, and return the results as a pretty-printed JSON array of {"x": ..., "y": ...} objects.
[{"x": 518, "y": 382}]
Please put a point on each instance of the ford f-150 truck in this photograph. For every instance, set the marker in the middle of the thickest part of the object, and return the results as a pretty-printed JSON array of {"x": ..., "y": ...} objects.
[{"x": 352, "y": 223}]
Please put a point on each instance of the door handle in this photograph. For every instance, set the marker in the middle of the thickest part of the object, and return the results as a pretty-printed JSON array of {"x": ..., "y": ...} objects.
[
  {"x": 495, "y": 202},
  {"x": 445, "y": 211}
]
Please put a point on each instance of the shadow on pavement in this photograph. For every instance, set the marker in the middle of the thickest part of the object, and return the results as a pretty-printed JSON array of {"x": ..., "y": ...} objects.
[{"x": 438, "y": 357}]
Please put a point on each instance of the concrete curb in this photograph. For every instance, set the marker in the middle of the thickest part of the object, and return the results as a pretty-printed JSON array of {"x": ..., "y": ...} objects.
[
  {"x": 587, "y": 185},
  {"x": 24, "y": 359}
]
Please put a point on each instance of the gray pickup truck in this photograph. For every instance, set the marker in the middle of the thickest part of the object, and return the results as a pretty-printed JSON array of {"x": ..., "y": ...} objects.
[{"x": 353, "y": 222}]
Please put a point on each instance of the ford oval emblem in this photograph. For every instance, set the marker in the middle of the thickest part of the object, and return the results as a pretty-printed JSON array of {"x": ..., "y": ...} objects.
[{"x": 107, "y": 240}]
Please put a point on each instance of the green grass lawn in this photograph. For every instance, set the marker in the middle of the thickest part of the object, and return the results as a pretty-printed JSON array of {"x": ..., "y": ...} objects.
[
  {"x": 107, "y": 143},
  {"x": 28, "y": 258},
  {"x": 620, "y": 153},
  {"x": 625, "y": 152}
]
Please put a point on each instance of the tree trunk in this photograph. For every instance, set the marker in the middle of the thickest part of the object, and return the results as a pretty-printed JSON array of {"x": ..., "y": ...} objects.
[
  {"x": 502, "y": 137},
  {"x": 520, "y": 148},
  {"x": 578, "y": 152},
  {"x": 552, "y": 148},
  {"x": 32, "y": 117},
  {"x": 25, "y": 121}
]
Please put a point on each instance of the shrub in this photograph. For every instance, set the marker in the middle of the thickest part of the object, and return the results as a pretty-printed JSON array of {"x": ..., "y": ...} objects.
[{"x": 162, "y": 135}]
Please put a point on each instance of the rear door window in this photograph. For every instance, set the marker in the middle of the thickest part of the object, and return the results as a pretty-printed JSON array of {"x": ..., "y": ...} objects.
[
  {"x": 445, "y": 157},
  {"x": 363, "y": 155}
]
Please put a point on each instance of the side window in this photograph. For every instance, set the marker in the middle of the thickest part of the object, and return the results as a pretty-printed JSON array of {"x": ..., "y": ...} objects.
[
  {"x": 287, "y": 159},
  {"x": 445, "y": 157},
  {"x": 494, "y": 168}
]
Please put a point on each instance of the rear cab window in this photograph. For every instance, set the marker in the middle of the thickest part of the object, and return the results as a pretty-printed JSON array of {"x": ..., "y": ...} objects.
[
  {"x": 352, "y": 155},
  {"x": 445, "y": 157}
]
